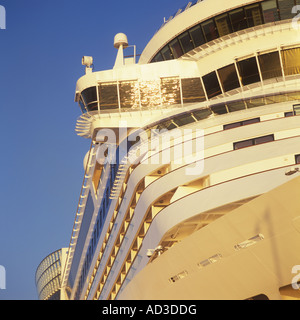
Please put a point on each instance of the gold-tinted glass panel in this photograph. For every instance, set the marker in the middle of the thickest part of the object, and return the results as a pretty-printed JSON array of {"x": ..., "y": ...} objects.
[
  {"x": 223, "y": 25},
  {"x": 270, "y": 65},
  {"x": 291, "y": 61},
  {"x": 108, "y": 93},
  {"x": 229, "y": 78},
  {"x": 170, "y": 91},
  {"x": 129, "y": 94},
  {"x": 150, "y": 95},
  {"x": 192, "y": 90},
  {"x": 253, "y": 14}
]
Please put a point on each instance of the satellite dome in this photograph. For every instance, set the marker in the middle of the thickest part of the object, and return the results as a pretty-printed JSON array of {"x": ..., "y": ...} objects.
[{"x": 120, "y": 39}]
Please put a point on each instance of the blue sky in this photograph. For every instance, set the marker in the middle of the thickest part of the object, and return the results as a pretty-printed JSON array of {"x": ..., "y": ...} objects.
[{"x": 41, "y": 155}]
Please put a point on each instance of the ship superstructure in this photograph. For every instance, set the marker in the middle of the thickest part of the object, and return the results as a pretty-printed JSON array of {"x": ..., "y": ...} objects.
[{"x": 190, "y": 188}]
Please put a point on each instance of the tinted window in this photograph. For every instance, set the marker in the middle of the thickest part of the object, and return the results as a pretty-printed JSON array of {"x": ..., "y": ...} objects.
[
  {"x": 270, "y": 11},
  {"x": 176, "y": 49},
  {"x": 285, "y": 9},
  {"x": 166, "y": 53},
  {"x": 150, "y": 94},
  {"x": 89, "y": 95},
  {"x": 296, "y": 109},
  {"x": 170, "y": 91},
  {"x": 108, "y": 96},
  {"x": 197, "y": 36},
  {"x": 129, "y": 94},
  {"x": 228, "y": 77},
  {"x": 184, "y": 119},
  {"x": 290, "y": 61},
  {"x": 81, "y": 105},
  {"x": 289, "y": 114},
  {"x": 219, "y": 109},
  {"x": 238, "y": 19},
  {"x": 264, "y": 139},
  {"x": 248, "y": 71},
  {"x": 90, "y": 98},
  {"x": 209, "y": 30},
  {"x": 243, "y": 144},
  {"x": 158, "y": 58},
  {"x": 297, "y": 158},
  {"x": 253, "y": 15},
  {"x": 232, "y": 125},
  {"x": 186, "y": 42},
  {"x": 192, "y": 90},
  {"x": 250, "y": 121},
  {"x": 223, "y": 25},
  {"x": 202, "y": 114},
  {"x": 270, "y": 65},
  {"x": 236, "y": 106},
  {"x": 211, "y": 84}
]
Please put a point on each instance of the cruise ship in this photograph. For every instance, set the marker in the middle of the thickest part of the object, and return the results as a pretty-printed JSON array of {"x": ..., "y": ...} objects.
[{"x": 191, "y": 187}]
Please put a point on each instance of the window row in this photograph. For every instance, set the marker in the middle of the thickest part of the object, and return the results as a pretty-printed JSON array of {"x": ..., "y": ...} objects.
[
  {"x": 241, "y": 123},
  {"x": 131, "y": 95},
  {"x": 232, "y": 21},
  {"x": 224, "y": 108},
  {"x": 52, "y": 259},
  {"x": 253, "y": 142},
  {"x": 244, "y": 72},
  {"x": 97, "y": 229}
]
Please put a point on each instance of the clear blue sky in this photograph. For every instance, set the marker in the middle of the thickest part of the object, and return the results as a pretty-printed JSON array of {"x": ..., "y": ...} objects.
[{"x": 41, "y": 156}]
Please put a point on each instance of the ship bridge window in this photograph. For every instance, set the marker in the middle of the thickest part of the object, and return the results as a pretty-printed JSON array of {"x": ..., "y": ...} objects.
[
  {"x": 158, "y": 58},
  {"x": 89, "y": 96},
  {"x": 192, "y": 90},
  {"x": 150, "y": 94},
  {"x": 81, "y": 105},
  {"x": 186, "y": 42},
  {"x": 176, "y": 49},
  {"x": 226, "y": 23},
  {"x": 297, "y": 158},
  {"x": 248, "y": 71},
  {"x": 170, "y": 91},
  {"x": 212, "y": 85},
  {"x": 270, "y": 65},
  {"x": 290, "y": 60},
  {"x": 229, "y": 78},
  {"x": 285, "y": 7},
  {"x": 108, "y": 96},
  {"x": 253, "y": 15},
  {"x": 209, "y": 30},
  {"x": 197, "y": 36},
  {"x": 166, "y": 53},
  {"x": 238, "y": 19},
  {"x": 223, "y": 25},
  {"x": 129, "y": 94},
  {"x": 270, "y": 11}
]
